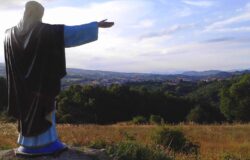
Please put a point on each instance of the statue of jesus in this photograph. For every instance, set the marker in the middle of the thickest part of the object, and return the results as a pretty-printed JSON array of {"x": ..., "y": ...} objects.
[{"x": 35, "y": 64}]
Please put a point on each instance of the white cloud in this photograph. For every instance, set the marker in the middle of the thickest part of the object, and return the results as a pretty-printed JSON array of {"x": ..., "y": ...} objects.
[
  {"x": 230, "y": 24},
  {"x": 118, "y": 48},
  {"x": 237, "y": 19},
  {"x": 248, "y": 6},
  {"x": 200, "y": 56},
  {"x": 146, "y": 23},
  {"x": 199, "y": 3},
  {"x": 184, "y": 12},
  {"x": 167, "y": 31},
  {"x": 19, "y": 4},
  {"x": 11, "y": 4},
  {"x": 235, "y": 29}
]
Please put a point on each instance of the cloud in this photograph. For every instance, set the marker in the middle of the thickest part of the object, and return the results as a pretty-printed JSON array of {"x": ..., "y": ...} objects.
[
  {"x": 229, "y": 24},
  {"x": 11, "y": 4},
  {"x": 223, "y": 39},
  {"x": 242, "y": 40},
  {"x": 19, "y": 4},
  {"x": 145, "y": 23},
  {"x": 184, "y": 12},
  {"x": 235, "y": 29},
  {"x": 248, "y": 6},
  {"x": 199, "y": 3},
  {"x": 147, "y": 36},
  {"x": 221, "y": 24},
  {"x": 167, "y": 31}
]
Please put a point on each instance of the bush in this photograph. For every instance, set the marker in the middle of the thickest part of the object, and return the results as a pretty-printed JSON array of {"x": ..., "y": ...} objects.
[
  {"x": 197, "y": 115},
  {"x": 235, "y": 100},
  {"x": 130, "y": 150},
  {"x": 6, "y": 118},
  {"x": 139, "y": 120},
  {"x": 229, "y": 156},
  {"x": 155, "y": 119},
  {"x": 67, "y": 118},
  {"x": 173, "y": 140},
  {"x": 98, "y": 144}
]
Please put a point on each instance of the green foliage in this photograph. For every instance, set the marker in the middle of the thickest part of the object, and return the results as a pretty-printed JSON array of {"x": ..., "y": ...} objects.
[
  {"x": 229, "y": 156},
  {"x": 104, "y": 105},
  {"x": 204, "y": 114},
  {"x": 235, "y": 100},
  {"x": 173, "y": 139},
  {"x": 127, "y": 136},
  {"x": 130, "y": 150},
  {"x": 196, "y": 115},
  {"x": 156, "y": 119},
  {"x": 139, "y": 120},
  {"x": 76, "y": 105},
  {"x": 5, "y": 118},
  {"x": 206, "y": 100},
  {"x": 207, "y": 92},
  {"x": 98, "y": 144}
]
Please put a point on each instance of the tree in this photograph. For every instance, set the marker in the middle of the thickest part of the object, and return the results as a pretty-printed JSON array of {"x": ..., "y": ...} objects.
[
  {"x": 235, "y": 100},
  {"x": 197, "y": 115}
]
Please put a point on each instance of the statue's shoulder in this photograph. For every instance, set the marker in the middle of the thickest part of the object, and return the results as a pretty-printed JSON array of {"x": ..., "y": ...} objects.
[
  {"x": 8, "y": 31},
  {"x": 51, "y": 28},
  {"x": 51, "y": 25},
  {"x": 48, "y": 26}
]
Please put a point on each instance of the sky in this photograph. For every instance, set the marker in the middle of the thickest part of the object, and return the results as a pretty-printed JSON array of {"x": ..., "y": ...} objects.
[{"x": 150, "y": 36}]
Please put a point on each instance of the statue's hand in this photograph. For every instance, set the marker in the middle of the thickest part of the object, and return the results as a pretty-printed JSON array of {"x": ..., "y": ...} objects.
[{"x": 104, "y": 24}]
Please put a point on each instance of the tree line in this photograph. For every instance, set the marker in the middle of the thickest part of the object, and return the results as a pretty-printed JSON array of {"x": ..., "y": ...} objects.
[{"x": 200, "y": 102}]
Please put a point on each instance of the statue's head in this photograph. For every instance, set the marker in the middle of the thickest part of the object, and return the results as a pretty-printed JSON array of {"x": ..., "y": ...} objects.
[{"x": 33, "y": 11}]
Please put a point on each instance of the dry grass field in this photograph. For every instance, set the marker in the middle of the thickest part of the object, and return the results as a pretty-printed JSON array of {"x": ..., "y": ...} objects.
[{"x": 215, "y": 141}]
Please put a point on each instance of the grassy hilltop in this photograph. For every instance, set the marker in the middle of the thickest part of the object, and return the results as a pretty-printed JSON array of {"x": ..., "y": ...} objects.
[{"x": 217, "y": 142}]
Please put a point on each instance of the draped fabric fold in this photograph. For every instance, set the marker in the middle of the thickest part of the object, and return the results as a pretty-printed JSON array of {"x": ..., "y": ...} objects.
[{"x": 35, "y": 64}]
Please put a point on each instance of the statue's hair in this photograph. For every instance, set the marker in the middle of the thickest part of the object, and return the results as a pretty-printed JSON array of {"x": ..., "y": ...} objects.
[{"x": 33, "y": 9}]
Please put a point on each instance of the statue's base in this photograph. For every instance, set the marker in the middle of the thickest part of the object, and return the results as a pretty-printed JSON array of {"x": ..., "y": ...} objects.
[
  {"x": 54, "y": 148},
  {"x": 70, "y": 154},
  {"x": 29, "y": 155}
]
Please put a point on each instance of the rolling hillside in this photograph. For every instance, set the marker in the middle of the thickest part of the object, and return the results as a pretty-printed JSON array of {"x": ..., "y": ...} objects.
[{"x": 82, "y": 76}]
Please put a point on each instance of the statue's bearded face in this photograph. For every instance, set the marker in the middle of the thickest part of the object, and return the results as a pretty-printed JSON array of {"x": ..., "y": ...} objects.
[{"x": 33, "y": 11}]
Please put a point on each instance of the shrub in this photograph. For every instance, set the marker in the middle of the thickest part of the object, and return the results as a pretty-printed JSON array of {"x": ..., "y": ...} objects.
[
  {"x": 98, "y": 144},
  {"x": 130, "y": 150},
  {"x": 173, "y": 140},
  {"x": 127, "y": 136},
  {"x": 6, "y": 118},
  {"x": 67, "y": 118},
  {"x": 197, "y": 115},
  {"x": 139, "y": 120},
  {"x": 229, "y": 156},
  {"x": 156, "y": 119}
]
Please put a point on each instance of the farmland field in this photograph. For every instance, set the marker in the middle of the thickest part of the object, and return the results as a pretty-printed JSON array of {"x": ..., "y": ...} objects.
[{"x": 216, "y": 141}]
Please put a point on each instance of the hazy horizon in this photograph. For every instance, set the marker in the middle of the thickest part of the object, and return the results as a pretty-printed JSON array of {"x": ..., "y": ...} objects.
[{"x": 160, "y": 36}]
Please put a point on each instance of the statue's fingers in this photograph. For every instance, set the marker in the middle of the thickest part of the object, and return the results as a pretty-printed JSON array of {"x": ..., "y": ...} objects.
[
  {"x": 104, "y": 20},
  {"x": 110, "y": 23}
]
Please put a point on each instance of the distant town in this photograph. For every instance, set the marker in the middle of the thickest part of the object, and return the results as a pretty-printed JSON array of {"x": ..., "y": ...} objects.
[{"x": 107, "y": 78}]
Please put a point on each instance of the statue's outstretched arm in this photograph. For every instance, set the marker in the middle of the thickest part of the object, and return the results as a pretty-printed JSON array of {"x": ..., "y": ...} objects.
[{"x": 82, "y": 34}]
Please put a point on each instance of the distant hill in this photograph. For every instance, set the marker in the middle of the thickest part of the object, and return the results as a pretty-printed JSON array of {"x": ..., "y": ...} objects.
[
  {"x": 202, "y": 73},
  {"x": 82, "y": 76},
  {"x": 215, "y": 73}
]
